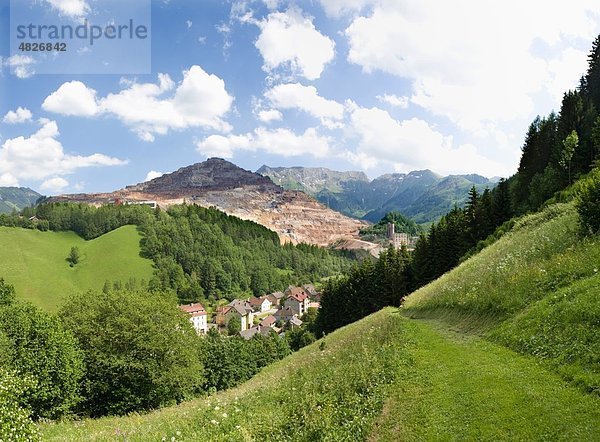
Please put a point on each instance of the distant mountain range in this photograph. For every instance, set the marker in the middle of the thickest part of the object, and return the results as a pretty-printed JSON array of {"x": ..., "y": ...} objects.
[
  {"x": 16, "y": 198},
  {"x": 421, "y": 195}
]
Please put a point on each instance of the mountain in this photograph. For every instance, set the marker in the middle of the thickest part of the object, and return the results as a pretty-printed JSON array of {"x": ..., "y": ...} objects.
[
  {"x": 16, "y": 198},
  {"x": 422, "y": 194},
  {"x": 293, "y": 215}
]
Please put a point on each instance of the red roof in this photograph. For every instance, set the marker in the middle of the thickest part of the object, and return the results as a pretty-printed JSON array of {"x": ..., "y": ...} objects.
[
  {"x": 196, "y": 309},
  {"x": 298, "y": 294}
]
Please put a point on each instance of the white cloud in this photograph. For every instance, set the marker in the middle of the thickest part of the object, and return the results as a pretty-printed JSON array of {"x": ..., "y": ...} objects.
[
  {"x": 290, "y": 40},
  {"x": 482, "y": 66},
  {"x": 41, "y": 156},
  {"x": 199, "y": 100},
  {"x": 267, "y": 116},
  {"x": 21, "y": 115},
  {"x": 56, "y": 184},
  {"x": 21, "y": 65},
  {"x": 280, "y": 141},
  {"x": 70, "y": 8},
  {"x": 412, "y": 144},
  {"x": 336, "y": 8},
  {"x": 189, "y": 24},
  {"x": 153, "y": 174},
  {"x": 570, "y": 65},
  {"x": 271, "y": 4},
  {"x": 307, "y": 99},
  {"x": 8, "y": 180},
  {"x": 72, "y": 98},
  {"x": 394, "y": 100}
]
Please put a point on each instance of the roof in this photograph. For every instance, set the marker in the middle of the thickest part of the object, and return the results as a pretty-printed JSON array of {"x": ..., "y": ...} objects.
[
  {"x": 254, "y": 301},
  {"x": 269, "y": 321},
  {"x": 251, "y": 332},
  {"x": 196, "y": 309},
  {"x": 296, "y": 321},
  {"x": 310, "y": 289},
  {"x": 242, "y": 307},
  {"x": 277, "y": 295},
  {"x": 298, "y": 294},
  {"x": 285, "y": 311}
]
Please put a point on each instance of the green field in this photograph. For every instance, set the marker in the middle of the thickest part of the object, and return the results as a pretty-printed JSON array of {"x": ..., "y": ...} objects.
[
  {"x": 504, "y": 347},
  {"x": 35, "y": 263}
]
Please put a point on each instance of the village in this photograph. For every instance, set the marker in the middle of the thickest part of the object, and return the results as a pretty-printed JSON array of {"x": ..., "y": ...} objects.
[{"x": 276, "y": 312}]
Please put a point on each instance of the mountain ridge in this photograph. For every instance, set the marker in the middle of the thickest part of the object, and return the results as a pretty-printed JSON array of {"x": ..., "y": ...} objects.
[
  {"x": 17, "y": 198},
  {"x": 353, "y": 194}
]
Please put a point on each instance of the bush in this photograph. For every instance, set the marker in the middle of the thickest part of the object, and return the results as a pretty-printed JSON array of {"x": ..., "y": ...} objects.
[
  {"x": 15, "y": 420},
  {"x": 41, "y": 348},
  {"x": 141, "y": 352},
  {"x": 7, "y": 293},
  {"x": 588, "y": 205}
]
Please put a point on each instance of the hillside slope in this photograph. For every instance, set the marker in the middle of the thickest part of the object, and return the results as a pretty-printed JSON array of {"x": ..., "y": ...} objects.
[
  {"x": 35, "y": 262},
  {"x": 383, "y": 378},
  {"x": 504, "y": 347},
  {"x": 16, "y": 198}
]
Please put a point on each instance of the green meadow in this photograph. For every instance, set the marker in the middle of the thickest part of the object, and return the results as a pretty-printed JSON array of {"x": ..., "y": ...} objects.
[{"x": 35, "y": 263}]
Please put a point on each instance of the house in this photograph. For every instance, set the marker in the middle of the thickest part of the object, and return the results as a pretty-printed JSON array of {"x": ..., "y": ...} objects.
[
  {"x": 253, "y": 331},
  {"x": 311, "y": 291},
  {"x": 197, "y": 315},
  {"x": 297, "y": 299},
  {"x": 260, "y": 305},
  {"x": 284, "y": 314},
  {"x": 276, "y": 298},
  {"x": 316, "y": 305},
  {"x": 269, "y": 321},
  {"x": 294, "y": 323},
  {"x": 236, "y": 308}
]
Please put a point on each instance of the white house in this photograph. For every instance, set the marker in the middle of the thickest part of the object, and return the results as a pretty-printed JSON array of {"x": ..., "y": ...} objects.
[
  {"x": 262, "y": 304},
  {"x": 198, "y": 317},
  {"x": 236, "y": 308},
  {"x": 297, "y": 299}
]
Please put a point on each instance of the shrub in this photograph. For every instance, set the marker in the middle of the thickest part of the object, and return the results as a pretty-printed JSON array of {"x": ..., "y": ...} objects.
[
  {"x": 15, "y": 420},
  {"x": 41, "y": 348},
  {"x": 588, "y": 205}
]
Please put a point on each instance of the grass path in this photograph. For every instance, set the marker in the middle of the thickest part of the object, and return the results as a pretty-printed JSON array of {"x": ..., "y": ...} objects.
[
  {"x": 462, "y": 387},
  {"x": 385, "y": 378}
]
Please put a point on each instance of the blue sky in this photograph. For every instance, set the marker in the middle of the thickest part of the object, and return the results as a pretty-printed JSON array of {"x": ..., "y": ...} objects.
[{"x": 374, "y": 85}]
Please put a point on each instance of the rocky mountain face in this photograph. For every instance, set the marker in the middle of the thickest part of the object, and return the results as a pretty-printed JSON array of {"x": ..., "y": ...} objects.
[
  {"x": 295, "y": 216},
  {"x": 16, "y": 198},
  {"x": 421, "y": 195},
  {"x": 212, "y": 174}
]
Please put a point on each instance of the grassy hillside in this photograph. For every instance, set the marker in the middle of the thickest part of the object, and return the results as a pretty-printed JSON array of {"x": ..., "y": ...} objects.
[
  {"x": 383, "y": 378},
  {"x": 504, "y": 347},
  {"x": 35, "y": 262},
  {"x": 539, "y": 286}
]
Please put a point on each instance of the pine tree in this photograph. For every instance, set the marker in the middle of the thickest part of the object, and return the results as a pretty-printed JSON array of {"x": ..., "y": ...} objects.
[
  {"x": 592, "y": 78},
  {"x": 501, "y": 204}
]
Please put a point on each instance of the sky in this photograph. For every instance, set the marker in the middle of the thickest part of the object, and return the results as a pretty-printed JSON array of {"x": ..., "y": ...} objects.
[{"x": 381, "y": 86}]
